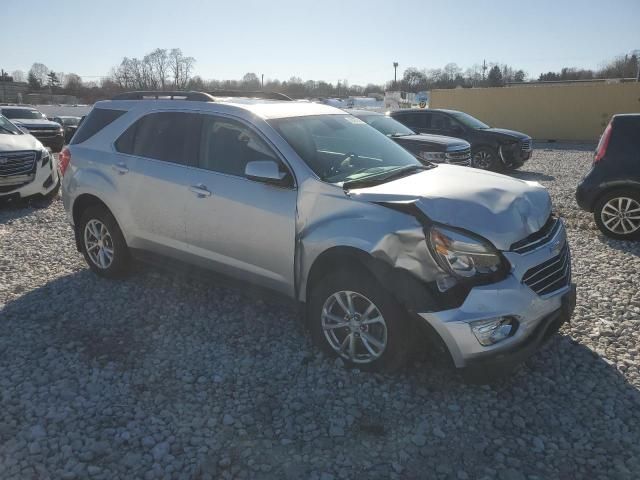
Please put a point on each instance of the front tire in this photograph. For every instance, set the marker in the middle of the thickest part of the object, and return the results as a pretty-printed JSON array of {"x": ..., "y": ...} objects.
[
  {"x": 486, "y": 158},
  {"x": 617, "y": 214},
  {"x": 353, "y": 317},
  {"x": 103, "y": 245}
]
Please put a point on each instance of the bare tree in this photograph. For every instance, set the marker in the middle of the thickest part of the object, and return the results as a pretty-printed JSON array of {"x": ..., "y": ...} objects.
[
  {"x": 19, "y": 76},
  {"x": 72, "y": 83},
  {"x": 39, "y": 72},
  {"x": 180, "y": 67},
  {"x": 159, "y": 64},
  {"x": 250, "y": 81}
]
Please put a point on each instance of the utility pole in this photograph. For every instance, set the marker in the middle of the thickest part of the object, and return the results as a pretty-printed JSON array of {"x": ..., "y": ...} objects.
[
  {"x": 262, "y": 82},
  {"x": 484, "y": 69},
  {"x": 395, "y": 74}
]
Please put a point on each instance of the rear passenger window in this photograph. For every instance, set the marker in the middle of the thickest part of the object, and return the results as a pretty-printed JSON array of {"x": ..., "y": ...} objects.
[
  {"x": 417, "y": 120},
  {"x": 167, "y": 136},
  {"x": 440, "y": 122},
  {"x": 97, "y": 119},
  {"x": 227, "y": 146}
]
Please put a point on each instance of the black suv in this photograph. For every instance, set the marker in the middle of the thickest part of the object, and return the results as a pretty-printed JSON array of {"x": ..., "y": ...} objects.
[
  {"x": 492, "y": 148},
  {"x": 611, "y": 189},
  {"x": 430, "y": 148}
]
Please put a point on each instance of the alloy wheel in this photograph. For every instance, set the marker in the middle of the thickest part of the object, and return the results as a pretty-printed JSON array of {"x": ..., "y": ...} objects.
[
  {"x": 621, "y": 215},
  {"x": 482, "y": 159},
  {"x": 98, "y": 243},
  {"x": 354, "y": 327}
]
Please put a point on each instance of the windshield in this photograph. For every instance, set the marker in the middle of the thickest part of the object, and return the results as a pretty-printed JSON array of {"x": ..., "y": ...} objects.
[
  {"x": 469, "y": 121},
  {"x": 343, "y": 148},
  {"x": 8, "y": 128},
  {"x": 70, "y": 121},
  {"x": 22, "y": 113},
  {"x": 387, "y": 125}
]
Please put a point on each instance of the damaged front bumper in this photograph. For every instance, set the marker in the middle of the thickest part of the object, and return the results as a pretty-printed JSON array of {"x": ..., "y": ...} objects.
[{"x": 533, "y": 318}]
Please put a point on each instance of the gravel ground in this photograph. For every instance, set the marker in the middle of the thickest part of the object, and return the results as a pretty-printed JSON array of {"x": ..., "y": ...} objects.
[{"x": 163, "y": 375}]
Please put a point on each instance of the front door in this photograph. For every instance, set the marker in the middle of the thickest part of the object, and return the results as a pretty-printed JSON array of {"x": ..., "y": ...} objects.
[{"x": 243, "y": 227}]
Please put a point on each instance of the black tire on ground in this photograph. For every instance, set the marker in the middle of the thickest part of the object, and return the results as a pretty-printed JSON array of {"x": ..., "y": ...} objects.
[
  {"x": 486, "y": 158},
  {"x": 629, "y": 198},
  {"x": 358, "y": 280},
  {"x": 119, "y": 263}
]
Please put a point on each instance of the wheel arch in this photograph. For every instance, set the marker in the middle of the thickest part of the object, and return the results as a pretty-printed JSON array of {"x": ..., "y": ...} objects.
[
  {"x": 411, "y": 292},
  {"x": 80, "y": 205},
  {"x": 611, "y": 187}
]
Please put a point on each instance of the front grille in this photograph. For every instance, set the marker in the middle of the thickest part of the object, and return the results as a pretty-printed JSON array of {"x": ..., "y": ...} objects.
[
  {"x": 526, "y": 145},
  {"x": 551, "y": 275},
  {"x": 549, "y": 230},
  {"x": 17, "y": 163},
  {"x": 459, "y": 157},
  {"x": 40, "y": 133}
]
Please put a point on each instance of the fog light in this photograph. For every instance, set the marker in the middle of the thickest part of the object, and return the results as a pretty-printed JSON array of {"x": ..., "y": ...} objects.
[{"x": 494, "y": 330}]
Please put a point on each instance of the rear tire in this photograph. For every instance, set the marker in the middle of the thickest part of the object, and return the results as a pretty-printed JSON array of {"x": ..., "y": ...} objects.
[
  {"x": 102, "y": 243},
  {"x": 617, "y": 214},
  {"x": 373, "y": 333}
]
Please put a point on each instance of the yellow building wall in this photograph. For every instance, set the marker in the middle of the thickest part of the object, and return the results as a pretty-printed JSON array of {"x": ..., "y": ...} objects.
[{"x": 549, "y": 112}]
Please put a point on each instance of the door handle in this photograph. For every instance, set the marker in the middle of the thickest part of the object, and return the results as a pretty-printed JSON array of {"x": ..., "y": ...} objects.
[
  {"x": 121, "y": 168},
  {"x": 200, "y": 190}
]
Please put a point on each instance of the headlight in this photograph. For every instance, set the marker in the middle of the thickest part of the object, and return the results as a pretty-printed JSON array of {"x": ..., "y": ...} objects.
[
  {"x": 437, "y": 157},
  {"x": 45, "y": 156},
  {"x": 462, "y": 255}
]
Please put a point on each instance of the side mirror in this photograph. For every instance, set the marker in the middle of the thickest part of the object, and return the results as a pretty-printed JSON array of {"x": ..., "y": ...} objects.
[{"x": 266, "y": 171}]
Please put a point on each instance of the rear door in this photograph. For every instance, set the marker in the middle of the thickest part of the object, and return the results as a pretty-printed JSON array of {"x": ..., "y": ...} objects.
[
  {"x": 242, "y": 227},
  {"x": 155, "y": 157}
]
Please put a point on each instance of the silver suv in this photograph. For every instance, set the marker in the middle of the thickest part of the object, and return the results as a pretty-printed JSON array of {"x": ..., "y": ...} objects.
[{"x": 313, "y": 203}]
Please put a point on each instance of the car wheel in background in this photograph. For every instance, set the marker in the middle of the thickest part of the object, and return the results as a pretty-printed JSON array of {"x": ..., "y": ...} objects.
[
  {"x": 486, "y": 158},
  {"x": 103, "y": 245},
  {"x": 617, "y": 214},
  {"x": 351, "y": 316}
]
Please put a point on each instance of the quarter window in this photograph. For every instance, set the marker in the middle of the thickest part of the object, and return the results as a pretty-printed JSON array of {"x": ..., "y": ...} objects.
[{"x": 97, "y": 119}]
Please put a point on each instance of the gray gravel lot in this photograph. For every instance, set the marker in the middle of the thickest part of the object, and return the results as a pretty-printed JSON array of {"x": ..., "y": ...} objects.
[{"x": 163, "y": 375}]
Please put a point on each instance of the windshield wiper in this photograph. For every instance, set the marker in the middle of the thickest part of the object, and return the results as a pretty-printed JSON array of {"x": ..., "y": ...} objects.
[
  {"x": 396, "y": 135},
  {"x": 383, "y": 177}
]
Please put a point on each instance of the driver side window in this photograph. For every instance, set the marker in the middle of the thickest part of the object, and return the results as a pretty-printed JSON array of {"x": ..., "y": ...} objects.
[{"x": 227, "y": 146}]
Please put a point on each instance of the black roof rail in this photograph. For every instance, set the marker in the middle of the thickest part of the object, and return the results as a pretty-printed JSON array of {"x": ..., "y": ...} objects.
[
  {"x": 251, "y": 94},
  {"x": 164, "y": 95}
]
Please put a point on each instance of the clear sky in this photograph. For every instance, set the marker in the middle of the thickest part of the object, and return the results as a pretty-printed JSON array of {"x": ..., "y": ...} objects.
[{"x": 318, "y": 39}]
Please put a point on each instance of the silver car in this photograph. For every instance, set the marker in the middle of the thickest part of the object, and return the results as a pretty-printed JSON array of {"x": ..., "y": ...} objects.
[{"x": 315, "y": 204}]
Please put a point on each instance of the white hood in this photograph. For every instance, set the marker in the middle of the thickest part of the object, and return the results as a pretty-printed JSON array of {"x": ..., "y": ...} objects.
[
  {"x": 12, "y": 143},
  {"x": 499, "y": 208}
]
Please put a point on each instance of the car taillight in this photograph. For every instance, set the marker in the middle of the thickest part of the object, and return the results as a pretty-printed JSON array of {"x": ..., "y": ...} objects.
[
  {"x": 601, "y": 150},
  {"x": 64, "y": 159}
]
